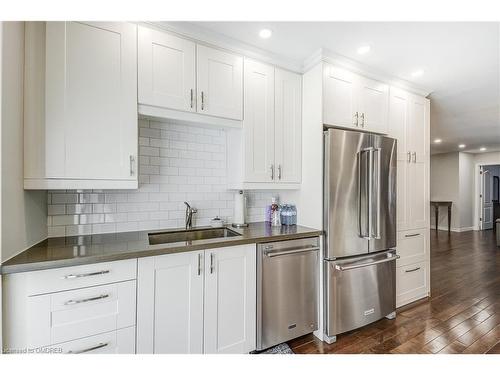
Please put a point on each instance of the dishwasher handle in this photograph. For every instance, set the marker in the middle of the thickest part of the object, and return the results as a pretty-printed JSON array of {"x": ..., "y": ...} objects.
[
  {"x": 347, "y": 268},
  {"x": 277, "y": 253}
]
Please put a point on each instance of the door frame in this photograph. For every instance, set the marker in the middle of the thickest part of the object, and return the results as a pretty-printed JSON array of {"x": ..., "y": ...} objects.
[{"x": 478, "y": 207}]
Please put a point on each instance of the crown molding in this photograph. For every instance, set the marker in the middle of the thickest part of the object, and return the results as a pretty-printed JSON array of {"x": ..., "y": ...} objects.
[{"x": 324, "y": 55}]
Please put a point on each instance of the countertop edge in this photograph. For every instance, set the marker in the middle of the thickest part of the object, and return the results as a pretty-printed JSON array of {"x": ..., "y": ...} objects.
[{"x": 45, "y": 265}]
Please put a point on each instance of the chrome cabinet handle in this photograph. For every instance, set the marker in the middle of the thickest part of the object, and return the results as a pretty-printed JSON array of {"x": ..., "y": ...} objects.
[
  {"x": 362, "y": 119},
  {"x": 202, "y": 101},
  {"x": 132, "y": 163},
  {"x": 356, "y": 119},
  {"x": 98, "y": 346},
  {"x": 73, "y": 276},
  {"x": 347, "y": 268},
  {"x": 191, "y": 98},
  {"x": 272, "y": 171},
  {"x": 212, "y": 264},
  {"x": 272, "y": 254},
  {"x": 414, "y": 157},
  {"x": 75, "y": 302},
  {"x": 199, "y": 264},
  {"x": 412, "y": 235},
  {"x": 412, "y": 270},
  {"x": 408, "y": 154},
  {"x": 279, "y": 171}
]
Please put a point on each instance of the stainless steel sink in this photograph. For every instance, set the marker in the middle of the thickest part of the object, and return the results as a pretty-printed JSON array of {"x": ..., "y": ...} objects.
[{"x": 190, "y": 235}]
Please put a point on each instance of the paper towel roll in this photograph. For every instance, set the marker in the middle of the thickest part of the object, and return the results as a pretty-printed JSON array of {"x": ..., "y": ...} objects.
[{"x": 239, "y": 208}]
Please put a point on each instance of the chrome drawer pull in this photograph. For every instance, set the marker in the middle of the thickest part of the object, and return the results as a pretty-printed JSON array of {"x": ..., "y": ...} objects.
[
  {"x": 98, "y": 346},
  {"x": 412, "y": 235},
  {"x": 74, "y": 302},
  {"x": 412, "y": 270},
  {"x": 67, "y": 277},
  {"x": 347, "y": 268},
  {"x": 271, "y": 254}
]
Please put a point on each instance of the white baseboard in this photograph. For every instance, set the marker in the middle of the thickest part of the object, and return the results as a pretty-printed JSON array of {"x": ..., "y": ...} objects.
[{"x": 445, "y": 228}]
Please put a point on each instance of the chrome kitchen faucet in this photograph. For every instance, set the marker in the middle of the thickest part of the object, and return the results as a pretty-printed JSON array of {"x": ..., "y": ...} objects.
[{"x": 190, "y": 211}]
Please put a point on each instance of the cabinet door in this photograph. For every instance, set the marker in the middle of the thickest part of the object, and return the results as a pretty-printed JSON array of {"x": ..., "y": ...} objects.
[
  {"x": 288, "y": 126},
  {"x": 170, "y": 303},
  {"x": 402, "y": 200},
  {"x": 230, "y": 300},
  {"x": 339, "y": 97},
  {"x": 220, "y": 83},
  {"x": 166, "y": 66},
  {"x": 91, "y": 100},
  {"x": 418, "y": 129},
  {"x": 258, "y": 125},
  {"x": 399, "y": 116},
  {"x": 418, "y": 195},
  {"x": 373, "y": 97}
]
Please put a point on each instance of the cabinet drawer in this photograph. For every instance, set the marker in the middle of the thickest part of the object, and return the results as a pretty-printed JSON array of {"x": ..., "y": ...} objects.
[
  {"x": 65, "y": 316},
  {"x": 411, "y": 246},
  {"x": 66, "y": 278},
  {"x": 411, "y": 283},
  {"x": 121, "y": 341}
]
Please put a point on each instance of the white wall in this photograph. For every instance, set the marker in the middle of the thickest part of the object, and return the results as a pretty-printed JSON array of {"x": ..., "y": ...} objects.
[
  {"x": 466, "y": 189},
  {"x": 487, "y": 158},
  {"x": 23, "y": 213},
  {"x": 444, "y": 186}
]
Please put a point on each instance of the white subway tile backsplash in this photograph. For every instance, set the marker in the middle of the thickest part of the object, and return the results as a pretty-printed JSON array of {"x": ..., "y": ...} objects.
[{"x": 177, "y": 163}]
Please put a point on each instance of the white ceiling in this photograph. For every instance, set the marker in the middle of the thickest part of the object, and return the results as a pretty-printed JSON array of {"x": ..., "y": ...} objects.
[{"x": 460, "y": 60}]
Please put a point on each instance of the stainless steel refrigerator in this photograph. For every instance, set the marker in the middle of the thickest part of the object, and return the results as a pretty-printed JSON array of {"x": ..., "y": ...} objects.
[{"x": 360, "y": 225}]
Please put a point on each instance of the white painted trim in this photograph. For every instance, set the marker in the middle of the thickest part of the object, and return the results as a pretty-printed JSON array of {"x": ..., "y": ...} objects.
[
  {"x": 61, "y": 183},
  {"x": 189, "y": 118},
  {"x": 364, "y": 70},
  {"x": 477, "y": 191},
  {"x": 212, "y": 39},
  {"x": 458, "y": 230}
]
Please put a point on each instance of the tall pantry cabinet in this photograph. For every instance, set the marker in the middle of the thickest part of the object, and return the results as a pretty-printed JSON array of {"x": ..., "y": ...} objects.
[{"x": 409, "y": 123}]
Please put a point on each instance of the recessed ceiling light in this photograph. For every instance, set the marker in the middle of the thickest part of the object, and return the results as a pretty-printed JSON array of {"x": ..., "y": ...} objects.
[
  {"x": 363, "y": 49},
  {"x": 417, "y": 73},
  {"x": 461, "y": 146},
  {"x": 482, "y": 149},
  {"x": 265, "y": 33},
  {"x": 437, "y": 140}
]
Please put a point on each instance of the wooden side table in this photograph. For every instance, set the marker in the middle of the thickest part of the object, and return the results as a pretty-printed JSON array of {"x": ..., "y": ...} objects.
[{"x": 436, "y": 205}]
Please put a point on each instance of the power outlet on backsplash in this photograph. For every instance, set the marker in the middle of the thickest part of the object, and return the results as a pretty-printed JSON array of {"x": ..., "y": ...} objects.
[{"x": 177, "y": 163}]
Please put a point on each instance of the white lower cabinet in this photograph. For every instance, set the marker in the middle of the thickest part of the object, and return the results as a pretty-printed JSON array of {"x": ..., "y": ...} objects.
[
  {"x": 412, "y": 282},
  {"x": 197, "y": 302},
  {"x": 121, "y": 341}
]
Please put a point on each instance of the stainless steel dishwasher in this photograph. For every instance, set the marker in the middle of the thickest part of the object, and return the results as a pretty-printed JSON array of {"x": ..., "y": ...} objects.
[{"x": 287, "y": 290}]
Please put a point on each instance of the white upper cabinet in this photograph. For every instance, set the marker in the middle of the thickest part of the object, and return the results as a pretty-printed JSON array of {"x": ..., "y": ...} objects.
[
  {"x": 339, "y": 97},
  {"x": 399, "y": 117},
  {"x": 258, "y": 125},
  {"x": 418, "y": 130},
  {"x": 373, "y": 107},
  {"x": 167, "y": 71},
  {"x": 288, "y": 126},
  {"x": 81, "y": 105},
  {"x": 353, "y": 101},
  {"x": 220, "y": 83},
  {"x": 272, "y": 130}
]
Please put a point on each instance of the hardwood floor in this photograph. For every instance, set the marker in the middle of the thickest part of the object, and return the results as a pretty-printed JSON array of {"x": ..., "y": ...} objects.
[{"x": 462, "y": 315}]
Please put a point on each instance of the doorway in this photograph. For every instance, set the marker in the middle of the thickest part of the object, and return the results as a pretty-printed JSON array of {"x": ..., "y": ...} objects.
[{"x": 489, "y": 194}]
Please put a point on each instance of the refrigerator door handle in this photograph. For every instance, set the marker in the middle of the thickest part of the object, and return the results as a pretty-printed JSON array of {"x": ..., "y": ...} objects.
[
  {"x": 347, "y": 268},
  {"x": 379, "y": 166},
  {"x": 361, "y": 177}
]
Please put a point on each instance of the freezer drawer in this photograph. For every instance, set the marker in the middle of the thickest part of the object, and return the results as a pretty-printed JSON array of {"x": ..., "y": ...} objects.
[
  {"x": 359, "y": 291},
  {"x": 287, "y": 290}
]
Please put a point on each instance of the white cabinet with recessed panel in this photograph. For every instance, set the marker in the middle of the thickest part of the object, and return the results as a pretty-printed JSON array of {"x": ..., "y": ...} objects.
[
  {"x": 80, "y": 105},
  {"x": 180, "y": 79},
  {"x": 353, "y": 101}
]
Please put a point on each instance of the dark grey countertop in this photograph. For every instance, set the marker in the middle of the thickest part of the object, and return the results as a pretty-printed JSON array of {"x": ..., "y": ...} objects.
[{"x": 77, "y": 250}]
